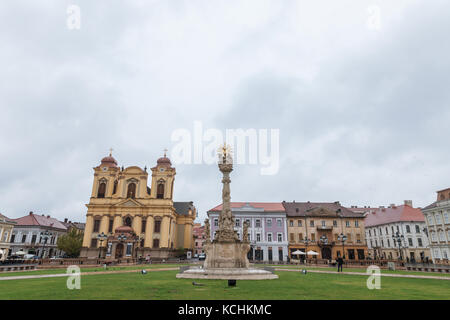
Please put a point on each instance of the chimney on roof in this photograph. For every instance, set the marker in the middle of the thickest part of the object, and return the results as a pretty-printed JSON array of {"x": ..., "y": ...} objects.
[
  {"x": 381, "y": 207},
  {"x": 70, "y": 221},
  {"x": 48, "y": 216},
  {"x": 293, "y": 201},
  {"x": 31, "y": 212},
  {"x": 408, "y": 203},
  {"x": 65, "y": 220}
]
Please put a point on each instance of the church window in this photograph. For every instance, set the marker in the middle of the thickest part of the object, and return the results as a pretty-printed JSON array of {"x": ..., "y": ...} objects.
[
  {"x": 101, "y": 190},
  {"x": 160, "y": 191},
  {"x": 115, "y": 187},
  {"x": 155, "y": 243},
  {"x": 157, "y": 226},
  {"x": 129, "y": 248},
  {"x": 144, "y": 223},
  {"x": 93, "y": 243},
  {"x": 128, "y": 221},
  {"x": 131, "y": 192},
  {"x": 110, "y": 226},
  {"x": 96, "y": 225}
]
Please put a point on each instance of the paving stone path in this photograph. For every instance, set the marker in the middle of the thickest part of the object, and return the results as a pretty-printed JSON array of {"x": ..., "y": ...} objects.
[
  {"x": 395, "y": 275},
  {"x": 37, "y": 276},
  {"x": 176, "y": 268}
]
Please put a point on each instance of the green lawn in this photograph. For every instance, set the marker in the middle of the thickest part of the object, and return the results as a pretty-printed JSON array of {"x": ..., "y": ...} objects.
[
  {"x": 164, "y": 285},
  {"x": 88, "y": 269}
]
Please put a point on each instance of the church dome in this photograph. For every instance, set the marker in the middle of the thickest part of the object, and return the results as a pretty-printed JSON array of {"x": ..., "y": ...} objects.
[
  {"x": 109, "y": 161},
  {"x": 164, "y": 161},
  {"x": 124, "y": 229}
]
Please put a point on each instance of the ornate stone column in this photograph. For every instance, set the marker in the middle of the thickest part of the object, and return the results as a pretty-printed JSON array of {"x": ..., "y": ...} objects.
[
  {"x": 88, "y": 230},
  {"x": 137, "y": 224},
  {"x": 117, "y": 222},
  {"x": 148, "y": 242},
  {"x": 165, "y": 227}
]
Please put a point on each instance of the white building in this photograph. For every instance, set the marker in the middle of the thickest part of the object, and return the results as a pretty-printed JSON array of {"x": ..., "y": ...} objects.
[
  {"x": 29, "y": 235},
  {"x": 384, "y": 228},
  {"x": 437, "y": 216}
]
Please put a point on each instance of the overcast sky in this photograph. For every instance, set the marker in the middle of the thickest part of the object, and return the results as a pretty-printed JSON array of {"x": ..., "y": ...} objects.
[{"x": 363, "y": 112}]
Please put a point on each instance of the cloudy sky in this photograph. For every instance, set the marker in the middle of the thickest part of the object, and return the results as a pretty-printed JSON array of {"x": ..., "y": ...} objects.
[{"x": 362, "y": 104}]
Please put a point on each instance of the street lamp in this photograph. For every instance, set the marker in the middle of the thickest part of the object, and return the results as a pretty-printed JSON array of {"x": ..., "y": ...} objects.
[
  {"x": 45, "y": 235},
  {"x": 342, "y": 237},
  {"x": 101, "y": 237},
  {"x": 398, "y": 238}
]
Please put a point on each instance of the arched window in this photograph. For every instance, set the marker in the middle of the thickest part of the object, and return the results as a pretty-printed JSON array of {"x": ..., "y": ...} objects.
[
  {"x": 160, "y": 191},
  {"x": 128, "y": 221},
  {"x": 115, "y": 187},
  {"x": 101, "y": 190},
  {"x": 131, "y": 192}
]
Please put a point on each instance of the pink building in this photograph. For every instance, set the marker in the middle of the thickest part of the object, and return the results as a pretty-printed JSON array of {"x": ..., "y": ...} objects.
[{"x": 199, "y": 237}]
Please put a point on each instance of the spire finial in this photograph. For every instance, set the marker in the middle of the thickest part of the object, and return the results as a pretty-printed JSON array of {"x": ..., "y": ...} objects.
[
  {"x": 110, "y": 151},
  {"x": 165, "y": 151}
]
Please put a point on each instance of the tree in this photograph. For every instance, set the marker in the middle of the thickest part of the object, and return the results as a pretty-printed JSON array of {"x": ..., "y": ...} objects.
[{"x": 71, "y": 243}]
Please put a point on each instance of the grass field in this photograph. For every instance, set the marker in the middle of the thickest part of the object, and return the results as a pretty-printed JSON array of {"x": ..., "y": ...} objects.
[{"x": 164, "y": 285}]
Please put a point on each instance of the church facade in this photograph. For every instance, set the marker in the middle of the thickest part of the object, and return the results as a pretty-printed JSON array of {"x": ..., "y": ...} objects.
[{"x": 127, "y": 218}]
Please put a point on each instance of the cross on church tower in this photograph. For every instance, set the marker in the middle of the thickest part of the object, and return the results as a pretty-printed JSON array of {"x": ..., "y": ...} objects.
[
  {"x": 165, "y": 151},
  {"x": 110, "y": 151}
]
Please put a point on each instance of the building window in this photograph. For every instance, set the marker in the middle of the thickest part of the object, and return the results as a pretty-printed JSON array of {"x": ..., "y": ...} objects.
[
  {"x": 374, "y": 232},
  {"x": 291, "y": 236},
  {"x": 110, "y": 226},
  {"x": 300, "y": 237},
  {"x": 160, "y": 191},
  {"x": 93, "y": 243},
  {"x": 323, "y": 223},
  {"x": 419, "y": 242},
  {"x": 128, "y": 221},
  {"x": 33, "y": 238},
  {"x": 417, "y": 229},
  {"x": 258, "y": 223},
  {"x": 438, "y": 218},
  {"x": 408, "y": 229},
  {"x": 356, "y": 223},
  {"x": 143, "y": 226},
  {"x": 115, "y": 187},
  {"x": 269, "y": 237},
  {"x": 155, "y": 243},
  {"x": 441, "y": 236},
  {"x": 129, "y": 248},
  {"x": 334, "y": 223},
  {"x": 370, "y": 233},
  {"x": 269, "y": 222},
  {"x": 410, "y": 242},
  {"x": 13, "y": 237},
  {"x": 311, "y": 223},
  {"x": 358, "y": 238},
  {"x": 101, "y": 190},
  {"x": 291, "y": 223},
  {"x": 157, "y": 226},
  {"x": 430, "y": 220},
  {"x": 280, "y": 237},
  {"x": 446, "y": 217},
  {"x": 258, "y": 237},
  {"x": 433, "y": 236},
  {"x": 388, "y": 243},
  {"x": 299, "y": 223},
  {"x": 387, "y": 230},
  {"x": 313, "y": 237},
  {"x": 96, "y": 225},
  {"x": 131, "y": 192},
  {"x": 216, "y": 222},
  {"x": 347, "y": 224},
  {"x": 24, "y": 238},
  {"x": 279, "y": 222},
  {"x": 249, "y": 223},
  {"x": 237, "y": 222}
]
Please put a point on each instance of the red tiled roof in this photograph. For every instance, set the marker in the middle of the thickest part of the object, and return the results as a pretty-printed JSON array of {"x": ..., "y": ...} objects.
[
  {"x": 301, "y": 209},
  {"x": 266, "y": 206},
  {"x": 381, "y": 216},
  {"x": 37, "y": 220}
]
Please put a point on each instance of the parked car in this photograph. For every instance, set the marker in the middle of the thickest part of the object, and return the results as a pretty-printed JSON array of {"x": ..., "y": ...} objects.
[
  {"x": 201, "y": 256},
  {"x": 29, "y": 256}
]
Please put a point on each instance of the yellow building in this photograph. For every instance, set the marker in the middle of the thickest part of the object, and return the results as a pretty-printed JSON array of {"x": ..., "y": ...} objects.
[
  {"x": 6, "y": 228},
  {"x": 321, "y": 227},
  {"x": 136, "y": 220}
]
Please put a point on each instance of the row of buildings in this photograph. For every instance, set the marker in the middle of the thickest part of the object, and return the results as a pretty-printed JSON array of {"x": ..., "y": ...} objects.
[
  {"x": 33, "y": 234},
  {"x": 330, "y": 230}
]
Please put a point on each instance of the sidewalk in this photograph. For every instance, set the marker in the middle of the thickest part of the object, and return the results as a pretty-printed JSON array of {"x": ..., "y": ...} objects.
[
  {"x": 365, "y": 274},
  {"x": 84, "y": 273}
]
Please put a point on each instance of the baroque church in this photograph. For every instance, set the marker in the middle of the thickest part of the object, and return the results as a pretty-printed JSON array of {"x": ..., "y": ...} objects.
[{"x": 127, "y": 218}]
